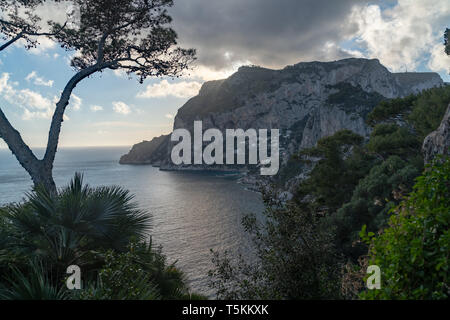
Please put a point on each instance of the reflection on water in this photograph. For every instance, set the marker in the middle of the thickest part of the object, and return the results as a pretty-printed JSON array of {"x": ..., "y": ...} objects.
[{"x": 192, "y": 212}]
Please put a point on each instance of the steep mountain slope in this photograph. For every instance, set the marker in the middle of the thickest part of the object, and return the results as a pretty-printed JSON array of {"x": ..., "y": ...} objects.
[{"x": 306, "y": 101}]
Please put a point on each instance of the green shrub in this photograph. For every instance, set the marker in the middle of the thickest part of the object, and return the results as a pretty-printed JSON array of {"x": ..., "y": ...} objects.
[
  {"x": 141, "y": 273},
  {"x": 390, "y": 108},
  {"x": 343, "y": 162},
  {"x": 294, "y": 258},
  {"x": 390, "y": 139},
  {"x": 371, "y": 201},
  {"x": 423, "y": 111},
  {"x": 413, "y": 252},
  {"x": 32, "y": 284},
  {"x": 429, "y": 109}
]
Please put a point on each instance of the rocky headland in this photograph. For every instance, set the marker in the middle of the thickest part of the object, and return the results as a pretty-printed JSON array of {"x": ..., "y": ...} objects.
[{"x": 306, "y": 101}]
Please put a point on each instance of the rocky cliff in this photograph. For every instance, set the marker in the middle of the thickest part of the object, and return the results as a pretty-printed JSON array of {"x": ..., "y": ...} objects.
[
  {"x": 438, "y": 142},
  {"x": 147, "y": 152},
  {"x": 306, "y": 101}
]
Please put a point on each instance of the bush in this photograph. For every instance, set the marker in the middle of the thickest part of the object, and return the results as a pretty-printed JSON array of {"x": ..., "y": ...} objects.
[
  {"x": 390, "y": 108},
  {"x": 413, "y": 252},
  {"x": 390, "y": 139},
  {"x": 371, "y": 201},
  {"x": 429, "y": 109},
  {"x": 141, "y": 273},
  {"x": 295, "y": 258},
  {"x": 423, "y": 111},
  {"x": 342, "y": 163},
  {"x": 33, "y": 284}
]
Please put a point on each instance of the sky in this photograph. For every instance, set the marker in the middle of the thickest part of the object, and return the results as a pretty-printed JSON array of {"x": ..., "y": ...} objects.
[{"x": 110, "y": 109}]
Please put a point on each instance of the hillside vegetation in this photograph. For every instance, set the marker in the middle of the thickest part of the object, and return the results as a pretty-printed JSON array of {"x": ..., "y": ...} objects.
[{"x": 363, "y": 203}]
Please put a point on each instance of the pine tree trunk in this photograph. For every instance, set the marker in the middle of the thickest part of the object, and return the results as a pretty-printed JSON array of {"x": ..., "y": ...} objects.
[
  {"x": 43, "y": 177},
  {"x": 39, "y": 170}
]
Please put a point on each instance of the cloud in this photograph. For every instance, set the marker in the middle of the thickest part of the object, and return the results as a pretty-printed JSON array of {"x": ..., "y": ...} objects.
[
  {"x": 265, "y": 32},
  {"x": 96, "y": 108},
  {"x": 32, "y": 99},
  {"x": 115, "y": 124},
  {"x": 203, "y": 73},
  {"x": 31, "y": 115},
  {"x": 5, "y": 87},
  {"x": 273, "y": 34},
  {"x": 401, "y": 36},
  {"x": 169, "y": 116},
  {"x": 439, "y": 60},
  {"x": 38, "y": 80},
  {"x": 164, "y": 88},
  {"x": 75, "y": 102},
  {"x": 121, "y": 107},
  {"x": 45, "y": 44},
  {"x": 34, "y": 105}
]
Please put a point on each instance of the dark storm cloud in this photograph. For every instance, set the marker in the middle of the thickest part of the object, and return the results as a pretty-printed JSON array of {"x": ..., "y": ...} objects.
[{"x": 267, "y": 32}]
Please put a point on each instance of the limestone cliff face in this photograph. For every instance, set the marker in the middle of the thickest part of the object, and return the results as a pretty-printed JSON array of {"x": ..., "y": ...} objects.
[
  {"x": 438, "y": 142},
  {"x": 147, "y": 152},
  {"x": 307, "y": 101}
]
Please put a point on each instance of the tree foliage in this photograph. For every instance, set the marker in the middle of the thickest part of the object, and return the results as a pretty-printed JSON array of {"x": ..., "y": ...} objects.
[
  {"x": 391, "y": 139},
  {"x": 295, "y": 258},
  {"x": 342, "y": 163},
  {"x": 141, "y": 273},
  {"x": 19, "y": 21},
  {"x": 413, "y": 251},
  {"x": 130, "y": 35},
  {"x": 429, "y": 109},
  {"x": 422, "y": 112},
  {"x": 33, "y": 284},
  {"x": 302, "y": 245},
  {"x": 390, "y": 108},
  {"x": 370, "y": 203},
  {"x": 134, "y": 36}
]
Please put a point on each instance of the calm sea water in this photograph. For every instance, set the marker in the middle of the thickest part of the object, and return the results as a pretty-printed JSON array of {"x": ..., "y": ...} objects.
[{"x": 192, "y": 212}]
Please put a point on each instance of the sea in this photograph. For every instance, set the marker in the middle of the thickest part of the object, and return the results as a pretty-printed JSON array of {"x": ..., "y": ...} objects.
[{"x": 192, "y": 212}]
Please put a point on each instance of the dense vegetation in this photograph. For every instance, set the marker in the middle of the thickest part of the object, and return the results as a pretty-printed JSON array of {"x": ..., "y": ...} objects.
[
  {"x": 98, "y": 229},
  {"x": 311, "y": 246},
  {"x": 423, "y": 112},
  {"x": 296, "y": 254},
  {"x": 414, "y": 250}
]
